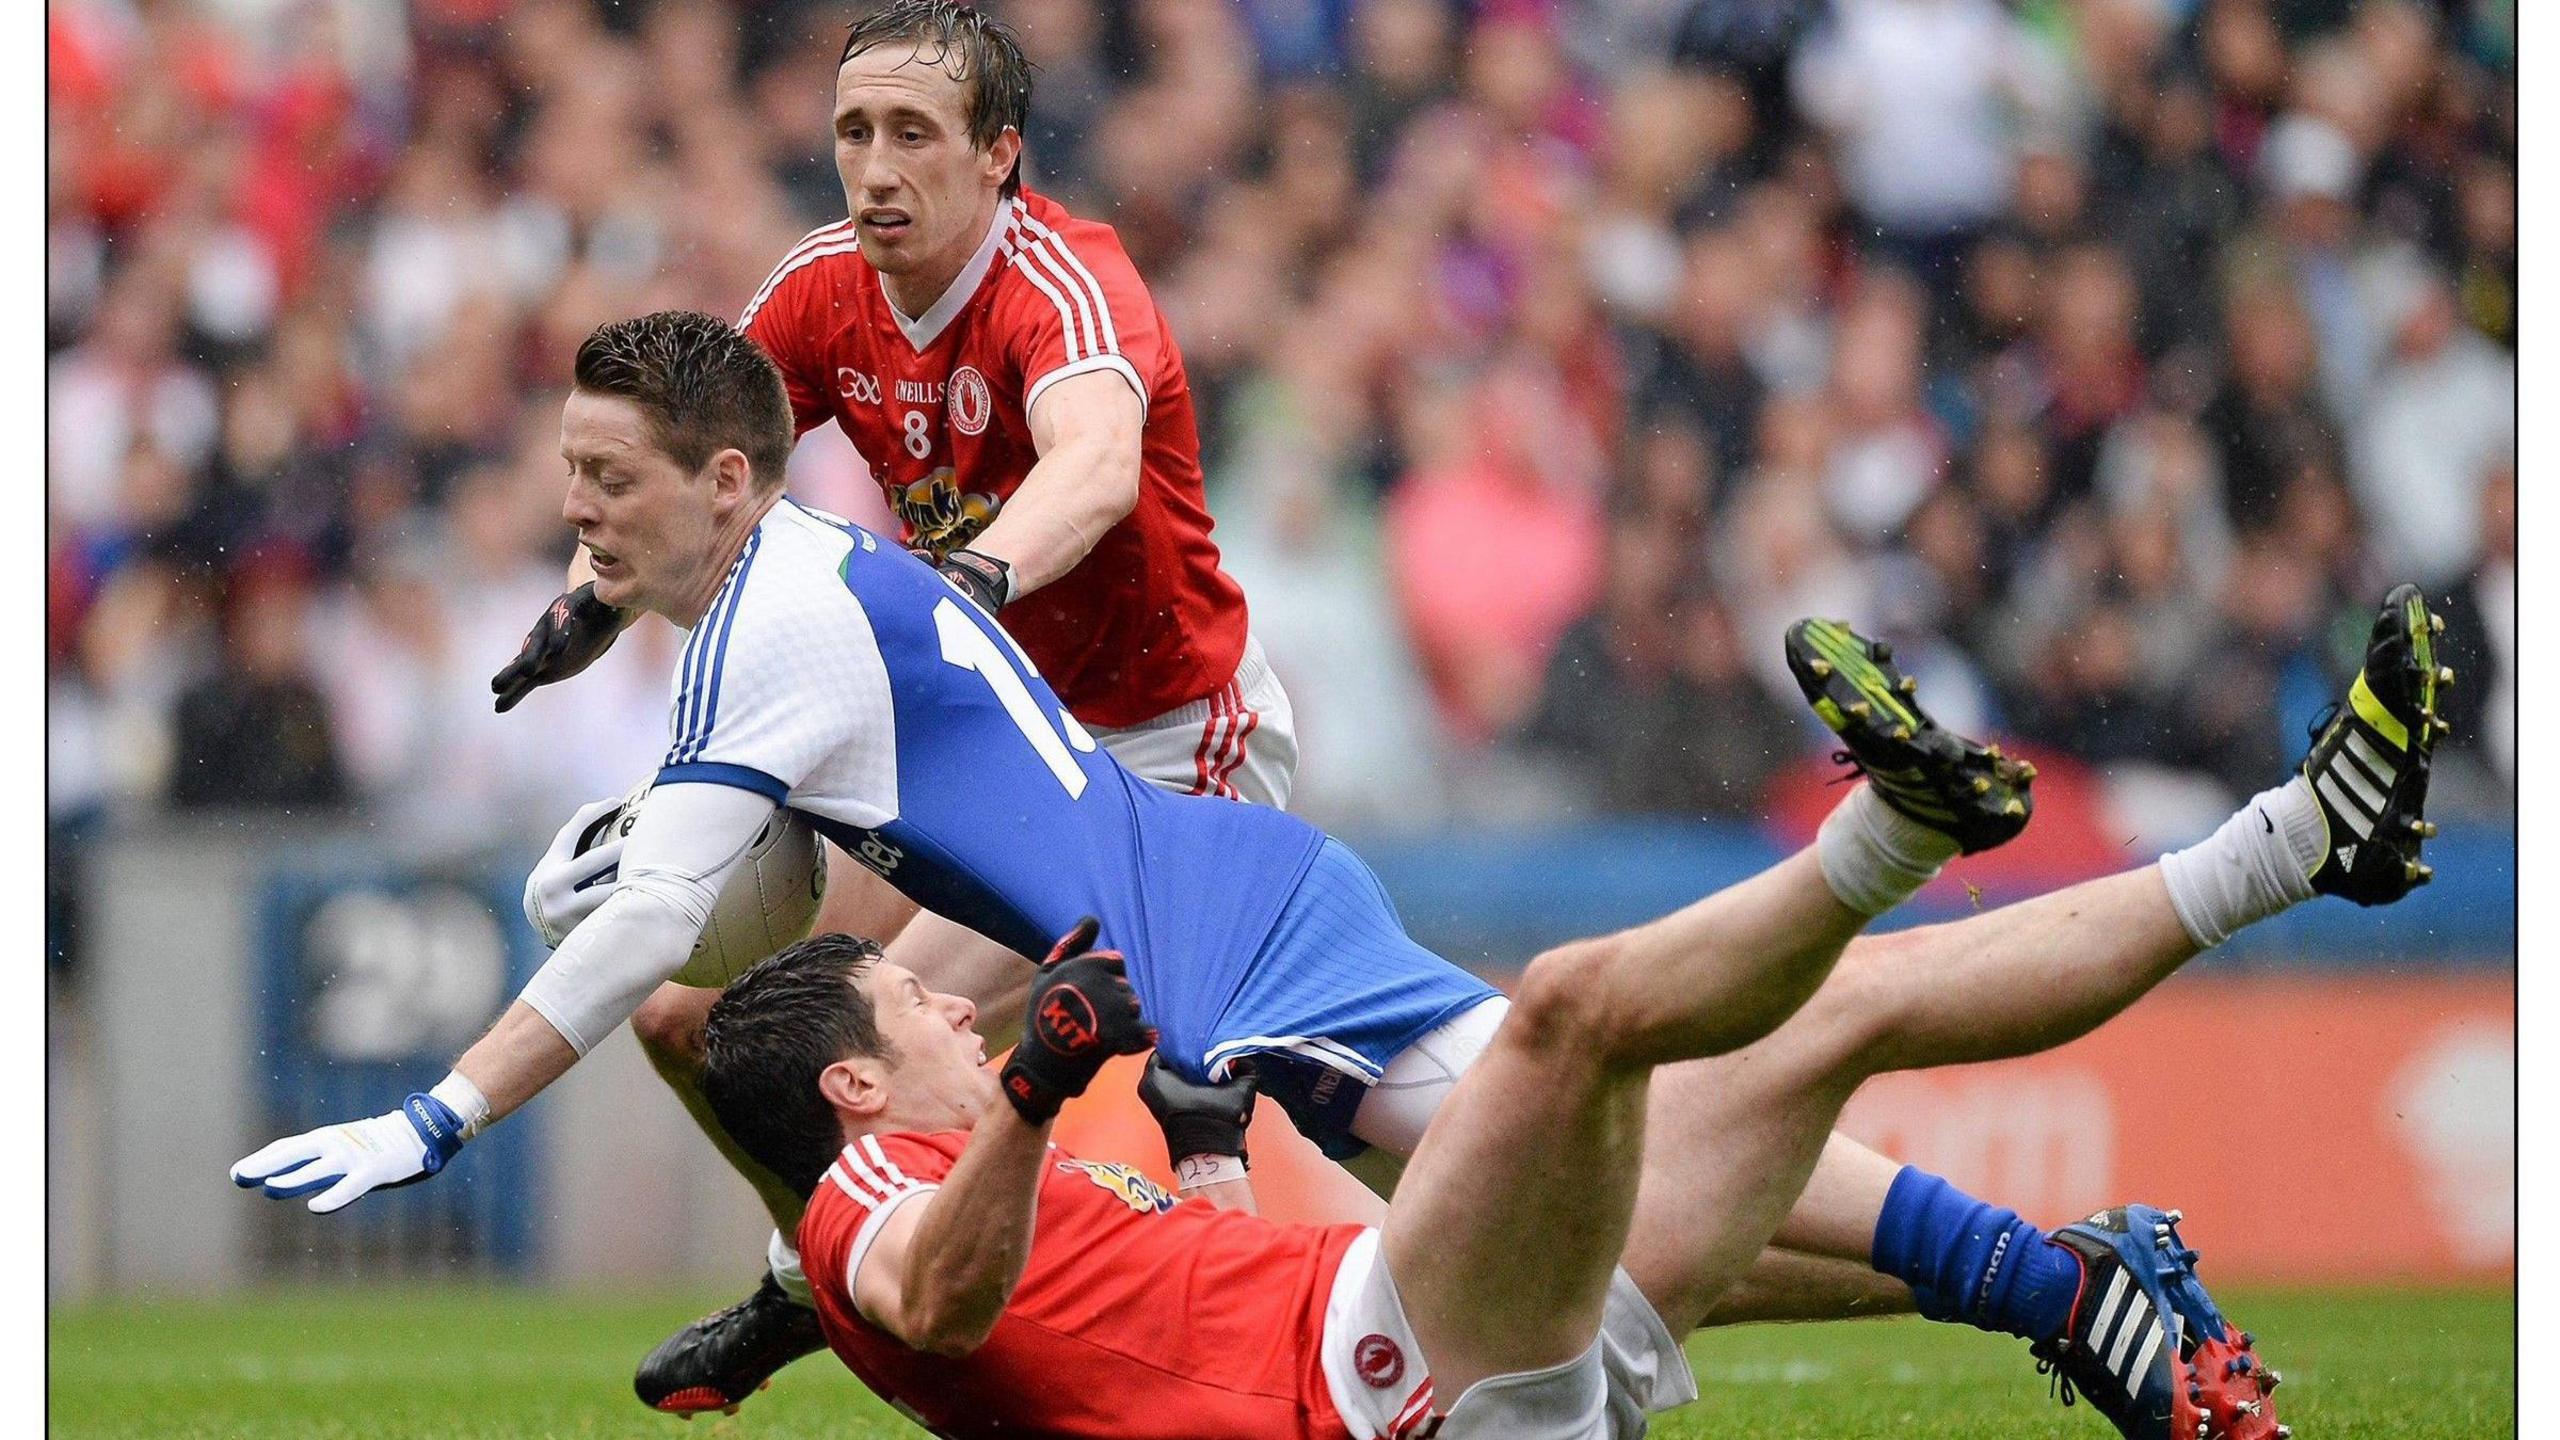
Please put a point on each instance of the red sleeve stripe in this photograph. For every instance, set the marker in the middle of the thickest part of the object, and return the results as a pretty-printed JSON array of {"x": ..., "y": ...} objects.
[
  {"x": 870, "y": 1179},
  {"x": 1056, "y": 244},
  {"x": 836, "y": 239},
  {"x": 1408, "y": 1424},
  {"x": 1073, "y": 325},
  {"x": 1041, "y": 254}
]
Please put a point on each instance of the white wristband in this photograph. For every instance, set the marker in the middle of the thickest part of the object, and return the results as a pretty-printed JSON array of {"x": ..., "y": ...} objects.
[
  {"x": 1194, "y": 1171},
  {"x": 465, "y": 1100}
]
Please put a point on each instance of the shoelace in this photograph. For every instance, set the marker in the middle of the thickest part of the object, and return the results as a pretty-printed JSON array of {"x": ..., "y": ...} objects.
[{"x": 2061, "y": 1386}]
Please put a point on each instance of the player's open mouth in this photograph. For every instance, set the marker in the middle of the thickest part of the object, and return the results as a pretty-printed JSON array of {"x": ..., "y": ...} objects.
[
  {"x": 885, "y": 222},
  {"x": 600, "y": 562}
]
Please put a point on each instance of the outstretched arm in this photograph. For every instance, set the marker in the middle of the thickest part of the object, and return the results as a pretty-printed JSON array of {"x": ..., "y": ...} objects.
[
  {"x": 680, "y": 852},
  {"x": 1087, "y": 429},
  {"x": 944, "y": 1284},
  {"x": 943, "y": 1267}
]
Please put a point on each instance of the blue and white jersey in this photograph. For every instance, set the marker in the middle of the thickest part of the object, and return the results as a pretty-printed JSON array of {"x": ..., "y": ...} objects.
[{"x": 839, "y": 675}]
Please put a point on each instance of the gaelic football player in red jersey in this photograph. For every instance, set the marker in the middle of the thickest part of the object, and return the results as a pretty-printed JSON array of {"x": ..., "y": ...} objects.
[{"x": 1002, "y": 369}]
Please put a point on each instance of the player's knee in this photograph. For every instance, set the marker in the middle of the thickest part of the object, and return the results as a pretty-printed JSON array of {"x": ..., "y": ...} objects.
[
  {"x": 1562, "y": 1001},
  {"x": 668, "y": 1026}
]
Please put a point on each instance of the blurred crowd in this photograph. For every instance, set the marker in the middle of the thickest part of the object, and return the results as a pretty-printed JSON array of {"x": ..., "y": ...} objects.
[{"x": 2110, "y": 356}]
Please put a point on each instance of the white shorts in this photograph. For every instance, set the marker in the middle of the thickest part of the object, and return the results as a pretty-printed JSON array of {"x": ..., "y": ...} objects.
[
  {"x": 1379, "y": 1380},
  {"x": 1241, "y": 742}
]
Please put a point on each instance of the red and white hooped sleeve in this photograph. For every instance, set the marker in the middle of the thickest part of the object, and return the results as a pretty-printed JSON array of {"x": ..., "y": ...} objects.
[
  {"x": 1086, "y": 309},
  {"x": 784, "y": 322},
  {"x": 878, "y": 1177}
]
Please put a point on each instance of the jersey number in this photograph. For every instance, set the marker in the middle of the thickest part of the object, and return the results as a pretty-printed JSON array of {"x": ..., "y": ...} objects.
[{"x": 967, "y": 646}]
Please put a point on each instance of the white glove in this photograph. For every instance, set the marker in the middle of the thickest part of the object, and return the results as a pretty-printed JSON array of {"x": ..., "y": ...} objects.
[
  {"x": 345, "y": 1162},
  {"x": 579, "y": 870}
]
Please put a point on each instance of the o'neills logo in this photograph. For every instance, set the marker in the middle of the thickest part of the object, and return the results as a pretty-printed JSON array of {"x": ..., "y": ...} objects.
[{"x": 970, "y": 404}]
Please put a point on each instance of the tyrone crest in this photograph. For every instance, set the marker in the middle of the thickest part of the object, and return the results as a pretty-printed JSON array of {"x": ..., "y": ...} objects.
[{"x": 968, "y": 400}]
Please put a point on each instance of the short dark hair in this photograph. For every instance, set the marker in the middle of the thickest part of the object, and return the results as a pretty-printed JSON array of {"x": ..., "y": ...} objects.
[
  {"x": 705, "y": 388},
  {"x": 978, "y": 52},
  {"x": 770, "y": 1036}
]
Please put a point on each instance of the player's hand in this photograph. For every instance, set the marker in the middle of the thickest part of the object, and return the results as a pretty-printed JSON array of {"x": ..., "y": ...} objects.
[
  {"x": 577, "y": 874},
  {"x": 983, "y": 578},
  {"x": 1082, "y": 1014},
  {"x": 1198, "y": 1117},
  {"x": 567, "y": 639},
  {"x": 346, "y": 1162}
]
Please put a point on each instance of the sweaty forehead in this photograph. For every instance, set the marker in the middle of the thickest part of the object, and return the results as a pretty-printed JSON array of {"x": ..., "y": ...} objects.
[
  {"x": 888, "y": 979},
  {"x": 901, "y": 74},
  {"x": 603, "y": 427}
]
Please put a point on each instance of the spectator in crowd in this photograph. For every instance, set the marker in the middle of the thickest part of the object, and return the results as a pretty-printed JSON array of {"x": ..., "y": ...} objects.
[
  {"x": 255, "y": 733},
  {"x": 2440, "y": 423},
  {"x": 1647, "y": 698}
]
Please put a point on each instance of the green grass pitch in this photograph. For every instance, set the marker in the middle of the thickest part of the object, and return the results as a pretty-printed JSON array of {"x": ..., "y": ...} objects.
[{"x": 512, "y": 1365}]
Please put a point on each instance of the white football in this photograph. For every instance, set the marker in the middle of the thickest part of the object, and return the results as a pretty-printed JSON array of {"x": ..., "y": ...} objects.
[{"x": 770, "y": 900}]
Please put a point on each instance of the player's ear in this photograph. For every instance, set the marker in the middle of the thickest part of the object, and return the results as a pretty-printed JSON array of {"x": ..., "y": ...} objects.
[
  {"x": 1003, "y": 155},
  {"x": 732, "y": 477},
  {"x": 855, "y": 1085}
]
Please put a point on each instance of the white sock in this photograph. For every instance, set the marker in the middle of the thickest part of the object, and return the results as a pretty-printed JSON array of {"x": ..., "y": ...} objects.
[
  {"x": 1874, "y": 856},
  {"x": 785, "y": 1263},
  {"x": 2258, "y": 864}
]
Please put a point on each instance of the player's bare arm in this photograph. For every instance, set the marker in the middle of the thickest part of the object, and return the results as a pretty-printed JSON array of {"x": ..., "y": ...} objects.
[
  {"x": 679, "y": 855},
  {"x": 945, "y": 1285},
  {"x": 943, "y": 1266},
  {"x": 1087, "y": 429}
]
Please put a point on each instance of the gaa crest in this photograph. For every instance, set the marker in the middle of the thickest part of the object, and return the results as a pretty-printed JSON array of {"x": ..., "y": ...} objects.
[{"x": 968, "y": 400}]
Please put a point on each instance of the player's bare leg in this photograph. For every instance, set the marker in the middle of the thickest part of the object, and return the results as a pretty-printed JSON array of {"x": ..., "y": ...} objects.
[
  {"x": 859, "y": 902},
  {"x": 2017, "y": 980},
  {"x": 1785, "y": 1285},
  {"x": 1573, "y": 1058},
  {"x": 2011, "y": 982},
  {"x": 1754, "y": 1124},
  {"x": 1577, "y": 1054}
]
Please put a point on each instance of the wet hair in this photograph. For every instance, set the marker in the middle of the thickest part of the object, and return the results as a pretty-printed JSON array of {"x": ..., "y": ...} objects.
[
  {"x": 705, "y": 388},
  {"x": 769, "y": 1037},
  {"x": 981, "y": 54}
]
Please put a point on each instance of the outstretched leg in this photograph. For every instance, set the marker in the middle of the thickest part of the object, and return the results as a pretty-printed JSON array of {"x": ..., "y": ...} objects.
[
  {"x": 2011, "y": 982},
  {"x": 1593, "y": 1020},
  {"x": 1590, "y": 1022}
]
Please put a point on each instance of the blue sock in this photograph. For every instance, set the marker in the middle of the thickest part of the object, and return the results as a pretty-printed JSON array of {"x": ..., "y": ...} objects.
[{"x": 1965, "y": 1260}]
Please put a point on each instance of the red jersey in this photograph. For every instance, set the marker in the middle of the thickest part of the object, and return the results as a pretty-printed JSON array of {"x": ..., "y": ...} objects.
[
  {"x": 1139, "y": 1317},
  {"x": 940, "y": 406}
]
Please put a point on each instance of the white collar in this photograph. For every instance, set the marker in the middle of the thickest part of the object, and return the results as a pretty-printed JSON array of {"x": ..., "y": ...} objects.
[{"x": 928, "y": 327}]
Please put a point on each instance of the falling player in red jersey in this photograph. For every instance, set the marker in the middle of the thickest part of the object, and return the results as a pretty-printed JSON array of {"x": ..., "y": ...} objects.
[{"x": 1001, "y": 367}]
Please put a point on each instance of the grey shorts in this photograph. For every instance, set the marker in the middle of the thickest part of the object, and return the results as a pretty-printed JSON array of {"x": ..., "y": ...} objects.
[{"x": 1241, "y": 742}]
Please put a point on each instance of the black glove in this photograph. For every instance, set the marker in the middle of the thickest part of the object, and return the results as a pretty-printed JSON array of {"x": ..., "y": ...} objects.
[
  {"x": 567, "y": 639},
  {"x": 1197, "y": 1118},
  {"x": 982, "y": 578},
  {"x": 1082, "y": 1014}
]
